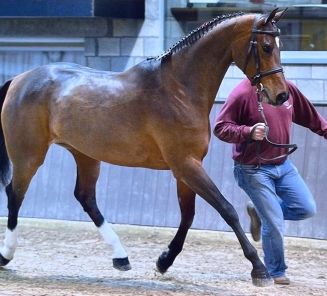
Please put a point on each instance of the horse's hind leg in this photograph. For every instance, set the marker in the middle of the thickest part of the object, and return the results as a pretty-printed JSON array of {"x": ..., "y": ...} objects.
[
  {"x": 186, "y": 199},
  {"x": 23, "y": 171},
  {"x": 88, "y": 170}
]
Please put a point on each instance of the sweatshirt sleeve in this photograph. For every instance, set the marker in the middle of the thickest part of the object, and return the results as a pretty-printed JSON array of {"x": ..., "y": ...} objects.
[
  {"x": 305, "y": 114},
  {"x": 227, "y": 125}
]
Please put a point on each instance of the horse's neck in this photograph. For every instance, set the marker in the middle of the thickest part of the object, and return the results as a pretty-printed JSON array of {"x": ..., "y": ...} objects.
[{"x": 203, "y": 65}]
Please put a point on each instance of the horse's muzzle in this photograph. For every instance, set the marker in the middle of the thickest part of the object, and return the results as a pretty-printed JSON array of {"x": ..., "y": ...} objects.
[{"x": 281, "y": 98}]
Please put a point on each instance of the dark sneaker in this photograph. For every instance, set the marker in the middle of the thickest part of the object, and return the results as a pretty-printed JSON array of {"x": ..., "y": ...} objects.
[
  {"x": 282, "y": 280},
  {"x": 255, "y": 226}
]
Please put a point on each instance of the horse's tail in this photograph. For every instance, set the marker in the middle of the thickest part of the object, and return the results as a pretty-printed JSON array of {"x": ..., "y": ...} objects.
[{"x": 5, "y": 171}]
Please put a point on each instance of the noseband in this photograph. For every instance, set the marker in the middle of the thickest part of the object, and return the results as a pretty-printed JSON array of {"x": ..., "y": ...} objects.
[{"x": 254, "y": 47}]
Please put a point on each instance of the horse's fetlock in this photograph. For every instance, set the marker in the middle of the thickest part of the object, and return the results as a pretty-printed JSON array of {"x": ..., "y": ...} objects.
[
  {"x": 251, "y": 254},
  {"x": 7, "y": 253},
  {"x": 175, "y": 249},
  {"x": 167, "y": 258},
  {"x": 4, "y": 261}
]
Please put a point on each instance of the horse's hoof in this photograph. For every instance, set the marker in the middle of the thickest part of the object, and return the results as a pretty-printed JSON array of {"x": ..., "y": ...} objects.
[
  {"x": 262, "y": 282},
  {"x": 3, "y": 261},
  {"x": 121, "y": 264},
  {"x": 159, "y": 263},
  {"x": 261, "y": 279},
  {"x": 159, "y": 268}
]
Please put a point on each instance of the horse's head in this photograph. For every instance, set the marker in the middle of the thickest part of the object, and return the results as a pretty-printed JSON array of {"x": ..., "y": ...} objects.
[{"x": 261, "y": 60}]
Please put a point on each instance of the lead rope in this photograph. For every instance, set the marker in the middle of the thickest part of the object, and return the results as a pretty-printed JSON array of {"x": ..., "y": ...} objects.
[{"x": 293, "y": 147}]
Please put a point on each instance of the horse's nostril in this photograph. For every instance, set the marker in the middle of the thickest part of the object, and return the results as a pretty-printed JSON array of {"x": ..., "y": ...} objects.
[{"x": 281, "y": 98}]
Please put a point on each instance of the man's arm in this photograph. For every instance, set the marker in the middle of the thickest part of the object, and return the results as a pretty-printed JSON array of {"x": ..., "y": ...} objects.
[
  {"x": 305, "y": 114},
  {"x": 227, "y": 125}
]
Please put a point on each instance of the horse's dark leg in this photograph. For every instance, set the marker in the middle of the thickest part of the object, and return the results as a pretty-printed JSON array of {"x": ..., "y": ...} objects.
[
  {"x": 22, "y": 175},
  {"x": 186, "y": 199},
  {"x": 193, "y": 174},
  {"x": 88, "y": 170}
]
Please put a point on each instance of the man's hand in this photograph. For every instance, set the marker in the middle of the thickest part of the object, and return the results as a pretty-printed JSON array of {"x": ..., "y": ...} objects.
[{"x": 259, "y": 132}]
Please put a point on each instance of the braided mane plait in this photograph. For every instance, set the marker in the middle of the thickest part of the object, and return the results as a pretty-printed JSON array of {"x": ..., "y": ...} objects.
[{"x": 196, "y": 34}]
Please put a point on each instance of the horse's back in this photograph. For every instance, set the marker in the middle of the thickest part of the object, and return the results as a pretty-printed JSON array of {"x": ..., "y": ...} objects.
[
  {"x": 62, "y": 85},
  {"x": 102, "y": 114}
]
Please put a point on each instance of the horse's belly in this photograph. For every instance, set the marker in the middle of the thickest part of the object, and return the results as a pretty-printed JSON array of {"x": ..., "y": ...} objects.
[
  {"x": 134, "y": 158},
  {"x": 132, "y": 152}
]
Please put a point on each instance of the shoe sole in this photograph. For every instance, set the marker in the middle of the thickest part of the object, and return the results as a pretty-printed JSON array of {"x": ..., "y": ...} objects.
[
  {"x": 282, "y": 281},
  {"x": 255, "y": 226}
]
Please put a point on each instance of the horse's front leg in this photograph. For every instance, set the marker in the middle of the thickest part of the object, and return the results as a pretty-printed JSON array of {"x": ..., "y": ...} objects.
[
  {"x": 193, "y": 174},
  {"x": 186, "y": 199}
]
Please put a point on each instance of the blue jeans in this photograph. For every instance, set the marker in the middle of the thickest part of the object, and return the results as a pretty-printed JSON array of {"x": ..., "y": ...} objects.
[{"x": 278, "y": 193}]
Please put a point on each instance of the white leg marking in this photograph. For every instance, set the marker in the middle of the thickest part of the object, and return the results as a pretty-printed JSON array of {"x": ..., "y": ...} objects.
[
  {"x": 10, "y": 244},
  {"x": 111, "y": 238}
]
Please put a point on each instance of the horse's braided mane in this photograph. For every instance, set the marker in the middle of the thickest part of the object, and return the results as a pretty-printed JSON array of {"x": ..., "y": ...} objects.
[{"x": 196, "y": 34}]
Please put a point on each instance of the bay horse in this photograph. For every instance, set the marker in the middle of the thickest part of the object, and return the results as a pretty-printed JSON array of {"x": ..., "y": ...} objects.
[{"x": 154, "y": 115}]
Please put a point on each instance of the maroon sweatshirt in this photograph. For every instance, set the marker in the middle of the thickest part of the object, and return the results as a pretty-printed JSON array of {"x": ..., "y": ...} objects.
[{"x": 240, "y": 112}]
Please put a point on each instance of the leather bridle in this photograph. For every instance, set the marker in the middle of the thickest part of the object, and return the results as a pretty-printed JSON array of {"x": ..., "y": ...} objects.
[
  {"x": 254, "y": 48},
  {"x": 255, "y": 80}
]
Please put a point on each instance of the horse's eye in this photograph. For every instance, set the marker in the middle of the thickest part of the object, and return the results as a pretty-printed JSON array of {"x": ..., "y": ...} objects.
[{"x": 266, "y": 48}]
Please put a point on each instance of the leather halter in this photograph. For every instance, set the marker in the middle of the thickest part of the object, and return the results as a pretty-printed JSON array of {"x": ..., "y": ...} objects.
[{"x": 254, "y": 47}]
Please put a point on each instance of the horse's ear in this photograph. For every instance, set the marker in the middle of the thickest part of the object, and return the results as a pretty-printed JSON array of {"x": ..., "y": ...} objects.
[
  {"x": 279, "y": 15},
  {"x": 273, "y": 16}
]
